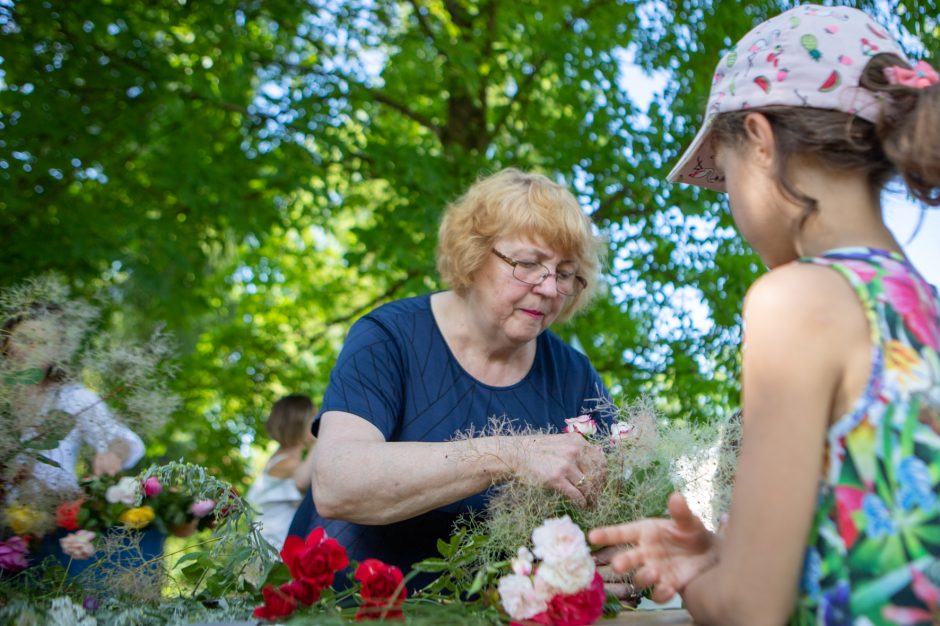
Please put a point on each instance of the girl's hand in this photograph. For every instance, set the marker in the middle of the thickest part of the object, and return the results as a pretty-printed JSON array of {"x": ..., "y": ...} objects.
[{"x": 666, "y": 553}]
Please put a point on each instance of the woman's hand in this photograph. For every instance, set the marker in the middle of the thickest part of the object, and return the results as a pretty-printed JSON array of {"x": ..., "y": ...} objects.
[
  {"x": 666, "y": 553},
  {"x": 106, "y": 463},
  {"x": 111, "y": 461},
  {"x": 566, "y": 463}
]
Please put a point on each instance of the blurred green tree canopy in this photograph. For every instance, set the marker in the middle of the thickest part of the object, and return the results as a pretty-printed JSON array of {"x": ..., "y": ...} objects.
[{"x": 259, "y": 174}]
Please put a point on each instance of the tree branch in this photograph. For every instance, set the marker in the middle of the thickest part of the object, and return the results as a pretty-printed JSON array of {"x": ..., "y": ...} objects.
[
  {"x": 386, "y": 295},
  {"x": 521, "y": 96},
  {"x": 404, "y": 110},
  {"x": 426, "y": 27}
]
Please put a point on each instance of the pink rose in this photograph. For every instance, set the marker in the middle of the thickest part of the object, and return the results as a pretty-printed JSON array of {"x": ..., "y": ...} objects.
[
  {"x": 520, "y": 598},
  {"x": 13, "y": 554},
  {"x": 559, "y": 539},
  {"x": 152, "y": 487},
  {"x": 201, "y": 508},
  {"x": 78, "y": 544},
  {"x": 583, "y": 424},
  {"x": 568, "y": 575},
  {"x": 622, "y": 432}
]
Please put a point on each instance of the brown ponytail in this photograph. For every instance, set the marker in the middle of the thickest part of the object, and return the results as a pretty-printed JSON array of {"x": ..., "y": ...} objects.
[{"x": 909, "y": 128}]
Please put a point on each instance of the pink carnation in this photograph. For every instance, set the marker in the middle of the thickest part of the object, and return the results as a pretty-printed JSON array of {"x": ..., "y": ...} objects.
[
  {"x": 13, "y": 554},
  {"x": 201, "y": 508},
  {"x": 78, "y": 544}
]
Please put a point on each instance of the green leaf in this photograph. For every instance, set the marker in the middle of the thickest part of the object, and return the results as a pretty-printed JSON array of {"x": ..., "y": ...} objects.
[{"x": 31, "y": 376}]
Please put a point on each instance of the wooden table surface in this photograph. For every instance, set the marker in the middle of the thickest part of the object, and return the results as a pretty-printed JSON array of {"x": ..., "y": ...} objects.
[{"x": 664, "y": 617}]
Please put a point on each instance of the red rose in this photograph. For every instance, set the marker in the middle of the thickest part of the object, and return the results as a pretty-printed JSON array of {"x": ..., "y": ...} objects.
[
  {"x": 277, "y": 603},
  {"x": 66, "y": 515},
  {"x": 301, "y": 591},
  {"x": 383, "y": 590},
  {"x": 316, "y": 560},
  {"x": 575, "y": 609}
]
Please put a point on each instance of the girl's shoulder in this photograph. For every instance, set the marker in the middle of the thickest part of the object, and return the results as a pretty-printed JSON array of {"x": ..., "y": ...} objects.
[{"x": 800, "y": 287}]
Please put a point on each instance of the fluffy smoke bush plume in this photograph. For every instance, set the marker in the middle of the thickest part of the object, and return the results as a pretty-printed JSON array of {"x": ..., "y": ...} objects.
[{"x": 647, "y": 460}]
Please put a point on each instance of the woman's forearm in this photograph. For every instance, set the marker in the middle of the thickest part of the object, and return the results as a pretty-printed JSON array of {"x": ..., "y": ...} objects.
[{"x": 376, "y": 482}]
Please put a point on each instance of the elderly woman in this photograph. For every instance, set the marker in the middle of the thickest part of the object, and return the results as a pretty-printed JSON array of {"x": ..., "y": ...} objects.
[{"x": 391, "y": 469}]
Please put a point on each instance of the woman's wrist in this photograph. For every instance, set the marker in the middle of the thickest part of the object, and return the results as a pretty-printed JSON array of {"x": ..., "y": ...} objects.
[{"x": 495, "y": 456}]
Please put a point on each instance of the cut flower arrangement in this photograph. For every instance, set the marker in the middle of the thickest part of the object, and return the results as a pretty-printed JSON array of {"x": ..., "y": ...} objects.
[{"x": 563, "y": 588}]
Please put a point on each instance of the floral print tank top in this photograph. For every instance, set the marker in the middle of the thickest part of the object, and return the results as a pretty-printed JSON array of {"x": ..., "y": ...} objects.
[{"x": 873, "y": 554}]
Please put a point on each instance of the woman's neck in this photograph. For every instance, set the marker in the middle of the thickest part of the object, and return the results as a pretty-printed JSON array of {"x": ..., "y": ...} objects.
[{"x": 477, "y": 351}]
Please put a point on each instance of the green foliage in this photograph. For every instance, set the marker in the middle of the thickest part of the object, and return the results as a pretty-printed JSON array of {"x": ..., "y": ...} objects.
[{"x": 259, "y": 175}]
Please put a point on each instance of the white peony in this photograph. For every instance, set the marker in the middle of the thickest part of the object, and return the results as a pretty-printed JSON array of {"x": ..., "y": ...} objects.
[
  {"x": 566, "y": 576},
  {"x": 559, "y": 539},
  {"x": 520, "y": 598},
  {"x": 126, "y": 491}
]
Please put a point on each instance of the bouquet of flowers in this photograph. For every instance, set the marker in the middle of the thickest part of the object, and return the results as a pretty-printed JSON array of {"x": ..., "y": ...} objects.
[
  {"x": 125, "y": 502},
  {"x": 313, "y": 564},
  {"x": 563, "y": 588}
]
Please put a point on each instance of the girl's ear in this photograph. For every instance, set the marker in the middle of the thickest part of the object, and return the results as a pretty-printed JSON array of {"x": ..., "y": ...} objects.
[{"x": 760, "y": 138}]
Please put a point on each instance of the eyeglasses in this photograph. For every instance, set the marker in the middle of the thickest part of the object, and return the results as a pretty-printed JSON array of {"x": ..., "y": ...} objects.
[{"x": 532, "y": 273}]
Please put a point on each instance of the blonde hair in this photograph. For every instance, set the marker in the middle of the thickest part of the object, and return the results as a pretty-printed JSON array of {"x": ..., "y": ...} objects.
[
  {"x": 289, "y": 419},
  {"x": 514, "y": 203}
]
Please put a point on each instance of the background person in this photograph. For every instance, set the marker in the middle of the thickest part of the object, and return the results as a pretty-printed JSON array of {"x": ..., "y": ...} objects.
[
  {"x": 33, "y": 341},
  {"x": 390, "y": 478},
  {"x": 279, "y": 488},
  {"x": 835, "y": 515}
]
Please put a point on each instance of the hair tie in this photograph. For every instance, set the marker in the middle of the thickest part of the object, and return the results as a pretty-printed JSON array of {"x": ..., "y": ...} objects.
[{"x": 920, "y": 76}]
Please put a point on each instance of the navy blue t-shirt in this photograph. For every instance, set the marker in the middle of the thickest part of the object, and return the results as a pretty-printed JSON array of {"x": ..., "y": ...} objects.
[{"x": 396, "y": 371}]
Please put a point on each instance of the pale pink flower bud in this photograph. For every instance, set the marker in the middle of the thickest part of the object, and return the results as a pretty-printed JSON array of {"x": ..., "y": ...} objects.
[
  {"x": 583, "y": 424},
  {"x": 201, "y": 508},
  {"x": 522, "y": 564},
  {"x": 622, "y": 432}
]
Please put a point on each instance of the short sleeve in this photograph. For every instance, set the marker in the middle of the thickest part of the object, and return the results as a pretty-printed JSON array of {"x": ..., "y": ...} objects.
[
  {"x": 368, "y": 379},
  {"x": 596, "y": 396}
]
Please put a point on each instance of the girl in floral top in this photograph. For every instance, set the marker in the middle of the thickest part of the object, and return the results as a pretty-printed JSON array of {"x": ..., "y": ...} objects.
[{"x": 835, "y": 516}]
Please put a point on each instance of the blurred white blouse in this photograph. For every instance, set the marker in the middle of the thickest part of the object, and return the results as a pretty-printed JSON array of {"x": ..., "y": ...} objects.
[{"x": 94, "y": 426}]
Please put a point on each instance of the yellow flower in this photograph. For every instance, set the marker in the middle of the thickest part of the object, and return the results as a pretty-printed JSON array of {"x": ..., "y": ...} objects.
[
  {"x": 23, "y": 520},
  {"x": 137, "y": 518}
]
